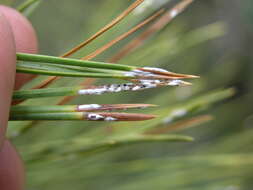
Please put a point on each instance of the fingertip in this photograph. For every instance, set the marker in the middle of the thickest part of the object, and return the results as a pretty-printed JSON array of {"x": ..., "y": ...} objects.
[{"x": 25, "y": 38}]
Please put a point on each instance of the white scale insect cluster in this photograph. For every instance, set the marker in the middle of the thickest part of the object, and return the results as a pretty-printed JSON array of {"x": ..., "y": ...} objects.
[{"x": 141, "y": 85}]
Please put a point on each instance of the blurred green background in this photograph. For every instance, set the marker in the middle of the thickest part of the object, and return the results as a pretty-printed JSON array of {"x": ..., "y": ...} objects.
[{"x": 212, "y": 38}]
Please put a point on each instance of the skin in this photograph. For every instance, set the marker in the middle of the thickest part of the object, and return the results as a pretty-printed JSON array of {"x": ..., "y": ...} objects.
[{"x": 16, "y": 35}]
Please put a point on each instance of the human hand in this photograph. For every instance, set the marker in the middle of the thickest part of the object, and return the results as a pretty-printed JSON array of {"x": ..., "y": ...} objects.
[{"x": 16, "y": 35}]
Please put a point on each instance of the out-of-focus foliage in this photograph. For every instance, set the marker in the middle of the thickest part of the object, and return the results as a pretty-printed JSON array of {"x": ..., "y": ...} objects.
[{"x": 211, "y": 39}]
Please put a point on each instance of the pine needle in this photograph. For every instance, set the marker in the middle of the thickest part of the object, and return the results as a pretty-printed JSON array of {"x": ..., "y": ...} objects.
[
  {"x": 77, "y": 108},
  {"x": 114, "y": 22},
  {"x": 181, "y": 125},
  {"x": 123, "y": 36},
  {"x": 157, "y": 26},
  {"x": 95, "y": 90},
  {"x": 106, "y": 28},
  {"x": 87, "y": 116}
]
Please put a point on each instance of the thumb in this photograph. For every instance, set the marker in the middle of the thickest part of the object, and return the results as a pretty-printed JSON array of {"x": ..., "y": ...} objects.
[
  {"x": 11, "y": 169},
  {"x": 7, "y": 73},
  {"x": 16, "y": 34}
]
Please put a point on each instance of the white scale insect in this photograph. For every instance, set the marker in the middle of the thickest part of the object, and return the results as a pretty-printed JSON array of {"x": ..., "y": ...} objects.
[
  {"x": 97, "y": 117},
  {"x": 173, "y": 13},
  {"x": 88, "y": 107}
]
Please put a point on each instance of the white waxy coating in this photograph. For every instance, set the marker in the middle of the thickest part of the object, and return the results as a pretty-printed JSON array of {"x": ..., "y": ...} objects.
[
  {"x": 136, "y": 88},
  {"x": 173, "y": 13},
  {"x": 141, "y": 85},
  {"x": 144, "y": 73},
  {"x": 167, "y": 120},
  {"x": 155, "y": 83},
  {"x": 97, "y": 117},
  {"x": 118, "y": 89},
  {"x": 150, "y": 83},
  {"x": 112, "y": 88},
  {"x": 129, "y": 74},
  {"x": 175, "y": 82},
  {"x": 145, "y": 5},
  {"x": 147, "y": 82},
  {"x": 179, "y": 113},
  {"x": 155, "y": 69},
  {"x": 110, "y": 119},
  {"x": 97, "y": 91},
  {"x": 127, "y": 86},
  {"x": 151, "y": 86},
  {"x": 94, "y": 117},
  {"x": 88, "y": 107}
]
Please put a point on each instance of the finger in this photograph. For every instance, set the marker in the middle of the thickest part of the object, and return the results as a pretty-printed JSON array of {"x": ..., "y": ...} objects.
[
  {"x": 11, "y": 169},
  {"x": 7, "y": 73},
  {"x": 25, "y": 38}
]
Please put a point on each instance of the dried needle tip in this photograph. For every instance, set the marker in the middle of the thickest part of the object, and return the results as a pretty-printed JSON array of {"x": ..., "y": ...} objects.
[
  {"x": 162, "y": 72},
  {"x": 103, "y": 116},
  {"x": 110, "y": 107}
]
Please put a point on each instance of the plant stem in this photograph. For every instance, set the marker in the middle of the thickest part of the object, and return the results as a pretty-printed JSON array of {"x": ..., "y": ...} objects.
[{"x": 94, "y": 90}]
